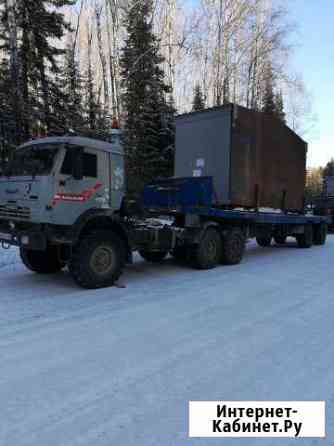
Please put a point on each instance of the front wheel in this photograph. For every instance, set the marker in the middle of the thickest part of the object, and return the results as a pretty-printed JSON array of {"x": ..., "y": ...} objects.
[
  {"x": 98, "y": 260},
  {"x": 41, "y": 262}
]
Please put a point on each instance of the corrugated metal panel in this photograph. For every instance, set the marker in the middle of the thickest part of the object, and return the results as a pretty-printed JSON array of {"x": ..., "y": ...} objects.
[{"x": 203, "y": 148}]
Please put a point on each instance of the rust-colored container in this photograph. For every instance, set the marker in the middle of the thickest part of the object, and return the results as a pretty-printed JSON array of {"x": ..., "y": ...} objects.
[{"x": 255, "y": 160}]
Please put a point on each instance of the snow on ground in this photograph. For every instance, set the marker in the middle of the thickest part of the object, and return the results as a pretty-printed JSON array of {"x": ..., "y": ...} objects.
[{"x": 117, "y": 367}]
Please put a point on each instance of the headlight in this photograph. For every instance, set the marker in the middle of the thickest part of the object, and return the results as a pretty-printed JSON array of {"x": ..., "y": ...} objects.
[{"x": 25, "y": 240}]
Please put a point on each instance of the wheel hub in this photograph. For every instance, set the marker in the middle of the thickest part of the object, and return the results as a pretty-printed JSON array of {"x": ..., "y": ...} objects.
[
  {"x": 102, "y": 259},
  {"x": 211, "y": 250}
]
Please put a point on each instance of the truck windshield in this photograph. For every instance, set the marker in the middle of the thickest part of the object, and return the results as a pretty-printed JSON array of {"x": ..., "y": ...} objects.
[{"x": 32, "y": 160}]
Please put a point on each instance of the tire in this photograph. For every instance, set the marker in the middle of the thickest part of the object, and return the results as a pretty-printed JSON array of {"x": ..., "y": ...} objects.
[
  {"x": 264, "y": 242},
  {"x": 305, "y": 240},
  {"x": 234, "y": 244},
  {"x": 207, "y": 254},
  {"x": 320, "y": 234},
  {"x": 41, "y": 262},
  {"x": 98, "y": 260},
  {"x": 280, "y": 239},
  {"x": 153, "y": 256}
]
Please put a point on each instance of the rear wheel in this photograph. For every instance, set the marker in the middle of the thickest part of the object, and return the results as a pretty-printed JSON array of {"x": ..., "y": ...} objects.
[
  {"x": 234, "y": 244},
  {"x": 207, "y": 253},
  {"x": 320, "y": 234},
  {"x": 264, "y": 242},
  {"x": 98, "y": 260},
  {"x": 153, "y": 256},
  {"x": 305, "y": 240},
  {"x": 41, "y": 262}
]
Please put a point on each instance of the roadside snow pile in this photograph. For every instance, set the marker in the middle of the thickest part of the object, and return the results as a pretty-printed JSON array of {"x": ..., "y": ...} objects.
[{"x": 8, "y": 257}]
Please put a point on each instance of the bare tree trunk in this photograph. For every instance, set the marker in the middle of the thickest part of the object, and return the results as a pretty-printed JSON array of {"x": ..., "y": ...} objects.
[
  {"x": 78, "y": 26},
  {"x": 113, "y": 30},
  {"x": 217, "y": 84},
  {"x": 98, "y": 12},
  {"x": 91, "y": 107}
]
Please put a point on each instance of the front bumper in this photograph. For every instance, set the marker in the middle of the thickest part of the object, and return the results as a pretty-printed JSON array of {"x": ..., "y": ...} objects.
[{"x": 26, "y": 239}]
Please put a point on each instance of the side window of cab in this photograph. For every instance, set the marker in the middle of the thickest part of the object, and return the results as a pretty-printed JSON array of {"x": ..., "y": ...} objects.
[{"x": 89, "y": 164}]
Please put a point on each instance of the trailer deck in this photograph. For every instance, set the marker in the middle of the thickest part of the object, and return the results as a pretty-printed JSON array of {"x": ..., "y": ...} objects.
[{"x": 196, "y": 196}]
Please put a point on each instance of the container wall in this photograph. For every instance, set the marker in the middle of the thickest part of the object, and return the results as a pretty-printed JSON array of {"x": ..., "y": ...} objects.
[
  {"x": 268, "y": 156},
  {"x": 203, "y": 148},
  {"x": 246, "y": 137}
]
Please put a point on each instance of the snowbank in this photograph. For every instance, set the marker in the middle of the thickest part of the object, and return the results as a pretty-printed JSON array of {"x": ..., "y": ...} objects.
[{"x": 8, "y": 257}]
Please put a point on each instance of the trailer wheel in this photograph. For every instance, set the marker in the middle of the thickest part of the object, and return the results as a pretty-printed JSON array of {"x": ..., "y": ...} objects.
[
  {"x": 280, "y": 239},
  {"x": 305, "y": 240},
  {"x": 320, "y": 234},
  {"x": 264, "y": 242},
  {"x": 153, "y": 256},
  {"x": 207, "y": 254},
  {"x": 234, "y": 244},
  {"x": 98, "y": 260},
  {"x": 41, "y": 262}
]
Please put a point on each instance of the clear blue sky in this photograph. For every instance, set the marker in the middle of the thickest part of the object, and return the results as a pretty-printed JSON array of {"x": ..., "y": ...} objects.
[{"x": 314, "y": 58}]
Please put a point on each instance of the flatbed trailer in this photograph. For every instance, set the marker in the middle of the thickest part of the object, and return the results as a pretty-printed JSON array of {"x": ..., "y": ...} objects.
[{"x": 205, "y": 235}]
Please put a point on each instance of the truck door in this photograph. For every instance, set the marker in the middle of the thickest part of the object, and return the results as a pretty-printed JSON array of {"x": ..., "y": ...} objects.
[{"x": 74, "y": 197}]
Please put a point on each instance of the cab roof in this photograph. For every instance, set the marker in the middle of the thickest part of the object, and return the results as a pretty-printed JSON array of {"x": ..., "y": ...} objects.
[{"x": 77, "y": 141}]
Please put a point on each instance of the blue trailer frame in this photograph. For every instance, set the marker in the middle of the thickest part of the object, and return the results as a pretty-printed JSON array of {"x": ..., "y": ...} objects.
[{"x": 195, "y": 196}]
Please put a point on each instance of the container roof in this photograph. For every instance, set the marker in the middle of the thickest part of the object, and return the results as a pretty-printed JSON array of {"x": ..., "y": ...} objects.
[
  {"x": 206, "y": 111},
  {"x": 229, "y": 107}
]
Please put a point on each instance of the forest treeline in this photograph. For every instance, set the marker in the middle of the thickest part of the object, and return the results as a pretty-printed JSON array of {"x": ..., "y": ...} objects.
[{"x": 75, "y": 65}]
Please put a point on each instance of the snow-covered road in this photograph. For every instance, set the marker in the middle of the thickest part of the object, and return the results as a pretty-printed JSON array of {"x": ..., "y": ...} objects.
[{"x": 117, "y": 367}]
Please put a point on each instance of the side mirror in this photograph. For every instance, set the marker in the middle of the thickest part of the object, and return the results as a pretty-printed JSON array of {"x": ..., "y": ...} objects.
[{"x": 77, "y": 162}]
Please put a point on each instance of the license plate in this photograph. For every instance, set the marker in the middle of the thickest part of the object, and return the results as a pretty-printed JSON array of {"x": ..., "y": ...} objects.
[{"x": 7, "y": 237}]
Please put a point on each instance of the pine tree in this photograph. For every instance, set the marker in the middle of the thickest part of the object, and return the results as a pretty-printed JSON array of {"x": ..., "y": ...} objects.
[
  {"x": 7, "y": 114},
  {"x": 268, "y": 102},
  {"x": 32, "y": 29},
  {"x": 144, "y": 98},
  {"x": 72, "y": 90},
  {"x": 279, "y": 107},
  {"x": 91, "y": 105},
  {"x": 198, "y": 100},
  {"x": 168, "y": 138},
  {"x": 90, "y": 101},
  {"x": 10, "y": 65},
  {"x": 93, "y": 112}
]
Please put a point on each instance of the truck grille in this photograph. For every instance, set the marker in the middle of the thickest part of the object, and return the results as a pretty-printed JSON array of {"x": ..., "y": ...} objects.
[{"x": 15, "y": 212}]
